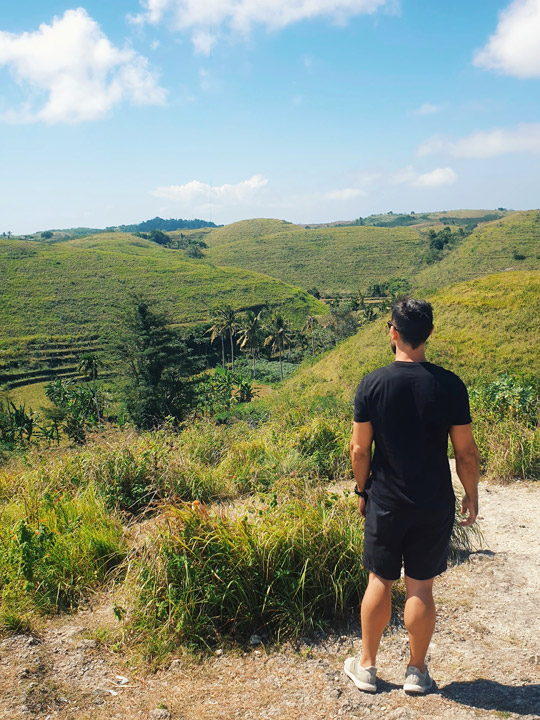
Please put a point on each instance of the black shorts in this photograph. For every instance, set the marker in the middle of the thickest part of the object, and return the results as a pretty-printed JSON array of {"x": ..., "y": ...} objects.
[{"x": 419, "y": 537}]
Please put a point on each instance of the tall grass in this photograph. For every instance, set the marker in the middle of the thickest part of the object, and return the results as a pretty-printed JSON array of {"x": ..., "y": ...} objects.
[{"x": 279, "y": 571}]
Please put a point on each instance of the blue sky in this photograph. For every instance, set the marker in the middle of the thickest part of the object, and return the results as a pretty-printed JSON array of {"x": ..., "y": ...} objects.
[{"x": 307, "y": 110}]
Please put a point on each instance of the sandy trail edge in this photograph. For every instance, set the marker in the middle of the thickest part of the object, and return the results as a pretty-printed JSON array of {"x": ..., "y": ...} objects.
[{"x": 485, "y": 655}]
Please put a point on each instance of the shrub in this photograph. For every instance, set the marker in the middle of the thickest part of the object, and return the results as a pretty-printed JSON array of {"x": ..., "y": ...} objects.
[
  {"x": 322, "y": 441},
  {"x": 507, "y": 397},
  {"x": 506, "y": 427},
  {"x": 55, "y": 548}
]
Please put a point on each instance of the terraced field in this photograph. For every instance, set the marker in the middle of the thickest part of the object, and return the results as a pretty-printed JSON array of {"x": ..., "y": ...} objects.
[
  {"x": 247, "y": 230},
  {"x": 37, "y": 361}
]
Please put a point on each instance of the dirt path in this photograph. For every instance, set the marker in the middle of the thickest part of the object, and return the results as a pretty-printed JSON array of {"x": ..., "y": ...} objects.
[{"x": 485, "y": 655}]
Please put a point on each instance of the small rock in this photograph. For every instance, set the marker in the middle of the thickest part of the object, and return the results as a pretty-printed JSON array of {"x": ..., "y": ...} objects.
[
  {"x": 255, "y": 640},
  {"x": 33, "y": 641},
  {"x": 160, "y": 714},
  {"x": 219, "y": 652}
]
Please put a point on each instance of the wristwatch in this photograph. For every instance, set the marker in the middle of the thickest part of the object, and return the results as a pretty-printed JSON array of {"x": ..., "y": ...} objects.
[{"x": 360, "y": 493}]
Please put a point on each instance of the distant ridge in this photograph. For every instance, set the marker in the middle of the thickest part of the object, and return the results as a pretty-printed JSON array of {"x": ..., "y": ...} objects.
[{"x": 159, "y": 223}]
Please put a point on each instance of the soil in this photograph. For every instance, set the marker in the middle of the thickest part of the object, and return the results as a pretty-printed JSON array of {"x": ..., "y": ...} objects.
[{"x": 485, "y": 654}]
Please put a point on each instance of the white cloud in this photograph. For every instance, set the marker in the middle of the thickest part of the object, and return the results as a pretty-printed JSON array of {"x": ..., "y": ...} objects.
[
  {"x": 203, "y": 42},
  {"x": 81, "y": 73},
  {"x": 514, "y": 49},
  {"x": 489, "y": 143},
  {"x": 196, "y": 193},
  {"x": 435, "y": 178},
  {"x": 344, "y": 194},
  {"x": 428, "y": 109},
  {"x": 199, "y": 16}
]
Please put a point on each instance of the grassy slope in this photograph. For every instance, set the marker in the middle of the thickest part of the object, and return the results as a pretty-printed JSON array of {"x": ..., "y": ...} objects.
[
  {"x": 246, "y": 230},
  {"x": 489, "y": 249},
  {"x": 81, "y": 286},
  {"x": 460, "y": 217},
  {"x": 337, "y": 259},
  {"x": 331, "y": 259},
  {"x": 482, "y": 328}
]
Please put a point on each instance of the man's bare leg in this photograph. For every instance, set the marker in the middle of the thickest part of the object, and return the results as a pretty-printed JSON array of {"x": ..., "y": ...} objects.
[
  {"x": 375, "y": 615},
  {"x": 419, "y": 619}
]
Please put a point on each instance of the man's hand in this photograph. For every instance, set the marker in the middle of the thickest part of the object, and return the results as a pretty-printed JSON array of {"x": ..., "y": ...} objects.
[
  {"x": 362, "y": 506},
  {"x": 467, "y": 506},
  {"x": 361, "y": 441},
  {"x": 468, "y": 469}
]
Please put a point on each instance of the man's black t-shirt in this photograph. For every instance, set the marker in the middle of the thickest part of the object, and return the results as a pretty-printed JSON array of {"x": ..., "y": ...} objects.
[{"x": 412, "y": 406}]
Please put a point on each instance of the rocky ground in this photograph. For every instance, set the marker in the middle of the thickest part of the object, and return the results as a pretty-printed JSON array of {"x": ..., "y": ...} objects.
[{"x": 485, "y": 655}]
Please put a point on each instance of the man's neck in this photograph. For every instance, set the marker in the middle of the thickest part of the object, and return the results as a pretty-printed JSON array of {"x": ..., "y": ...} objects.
[{"x": 406, "y": 353}]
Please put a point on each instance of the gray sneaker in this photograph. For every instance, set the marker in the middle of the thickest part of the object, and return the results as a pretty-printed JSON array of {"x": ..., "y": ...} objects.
[
  {"x": 364, "y": 678},
  {"x": 417, "y": 683}
]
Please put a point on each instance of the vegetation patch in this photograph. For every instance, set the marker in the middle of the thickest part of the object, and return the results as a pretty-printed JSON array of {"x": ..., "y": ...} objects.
[
  {"x": 281, "y": 570},
  {"x": 56, "y": 547}
]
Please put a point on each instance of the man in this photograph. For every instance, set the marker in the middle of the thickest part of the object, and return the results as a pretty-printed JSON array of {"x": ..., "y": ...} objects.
[{"x": 408, "y": 409}]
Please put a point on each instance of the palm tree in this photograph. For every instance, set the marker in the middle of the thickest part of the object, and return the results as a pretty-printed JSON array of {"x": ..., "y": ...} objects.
[
  {"x": 219, "y": 329},
  {"x": 279, "y": 335},
  {"x": 309, "y": 326},
  {"x": 89, "y": 367},
  {"x": 225, "y": 323},
  {"x": 250, "y": 334}
]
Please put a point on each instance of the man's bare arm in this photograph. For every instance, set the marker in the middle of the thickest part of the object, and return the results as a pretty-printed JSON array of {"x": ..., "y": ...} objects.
[
  {"x": 468, "y": 469},
  {"x": 361, "y": 441}
]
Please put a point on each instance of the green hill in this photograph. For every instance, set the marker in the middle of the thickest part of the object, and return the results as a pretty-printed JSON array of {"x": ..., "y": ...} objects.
[
  {"x": 332, "y": 259},
  {"x": 482, "y": 328},
  {"x": 512, "y": 243},
  {"x": 247, "y": 230},
  {"x": 450, "y": 217},
  {"x": 348, "y": 258},
  {"x": 59, "y": 299}
]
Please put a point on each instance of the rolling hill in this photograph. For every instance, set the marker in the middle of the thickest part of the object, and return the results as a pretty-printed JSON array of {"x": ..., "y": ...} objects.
[
  {"x": 332, "y": 259},
  {"x": 482, "y": 328},
  {"x": 247, "y": 230},
  {"x": 348, "y": 258},
  {"x": 512, "y": 243},
  {"x": 58, "y": 300}
]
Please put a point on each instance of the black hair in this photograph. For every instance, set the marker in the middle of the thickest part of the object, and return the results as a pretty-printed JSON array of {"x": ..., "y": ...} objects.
[{"x": 413, "y": 319}]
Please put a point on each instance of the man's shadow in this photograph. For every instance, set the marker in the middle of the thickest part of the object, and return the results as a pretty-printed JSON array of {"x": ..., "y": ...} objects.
[{"x": 491, "y": 695}]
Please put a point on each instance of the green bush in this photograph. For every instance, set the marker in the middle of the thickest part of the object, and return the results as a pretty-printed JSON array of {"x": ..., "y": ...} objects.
[
  {"x": 323, "y": 440},
  {"x": 55, "y": 547},
  {"x": 507, "y": 397},
  {"x": 506, "y": 427}
]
